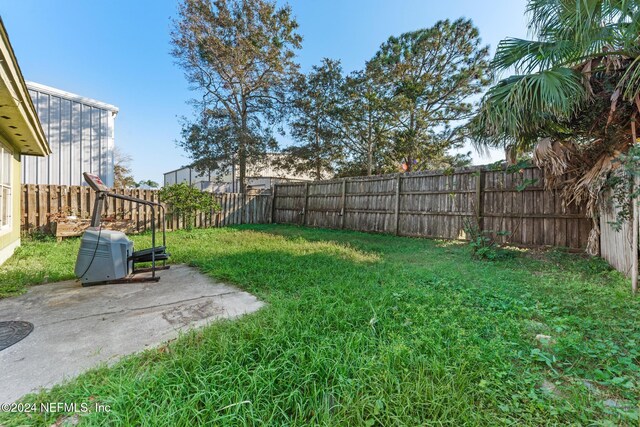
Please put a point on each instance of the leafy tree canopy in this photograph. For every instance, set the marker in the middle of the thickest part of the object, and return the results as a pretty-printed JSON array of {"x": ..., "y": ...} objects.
[
  {"x": 365, "y": 123},
  {"x": 122, "y": 176},
  {"x": 579, "y": 79},
  {"x": 313, "y": 121},
  {"x": 240, "y": 56},
  {"x": 431, "y": 75}
]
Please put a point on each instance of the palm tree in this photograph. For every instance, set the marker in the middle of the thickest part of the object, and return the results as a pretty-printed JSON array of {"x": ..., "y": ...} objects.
[
  {"x": 578, "y": 42},
  {"x": 574, "y": 96}
]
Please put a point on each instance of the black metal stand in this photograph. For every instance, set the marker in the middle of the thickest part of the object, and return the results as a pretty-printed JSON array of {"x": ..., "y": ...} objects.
[{"x": 153, "y": 254}]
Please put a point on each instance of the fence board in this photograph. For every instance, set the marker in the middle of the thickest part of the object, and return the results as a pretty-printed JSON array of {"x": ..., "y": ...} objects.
[
  {"x": 615, "y": 246},
  {"x": 433, "y": 204}
]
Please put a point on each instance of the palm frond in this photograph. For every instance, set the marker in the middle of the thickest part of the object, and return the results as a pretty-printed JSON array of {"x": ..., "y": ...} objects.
[
  {"x": 630, "y": 81},
  {"x": 575, "y": 19},
  {"x": 516, "y": 108},
  {"x": 527, "y": 56},
  {"x": 555, "y": 156},
  {"x": 566, "y": 19}
]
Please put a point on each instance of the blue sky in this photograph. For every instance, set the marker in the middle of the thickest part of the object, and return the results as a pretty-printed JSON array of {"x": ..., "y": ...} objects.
[{"x": 118, "y": 52}]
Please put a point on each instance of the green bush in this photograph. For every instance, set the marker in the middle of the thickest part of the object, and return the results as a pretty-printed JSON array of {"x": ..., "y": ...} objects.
[{"x": 186, "y": 201}]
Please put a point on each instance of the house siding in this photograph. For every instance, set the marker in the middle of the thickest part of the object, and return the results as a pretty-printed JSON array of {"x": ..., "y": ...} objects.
[{"x": 9, "y": 240}]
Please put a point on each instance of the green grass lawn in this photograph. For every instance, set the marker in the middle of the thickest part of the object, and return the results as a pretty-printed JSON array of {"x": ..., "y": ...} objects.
[{"x": 365, "y": 329}]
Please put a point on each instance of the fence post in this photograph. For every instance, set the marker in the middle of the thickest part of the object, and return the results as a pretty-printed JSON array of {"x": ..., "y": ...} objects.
[
  {"x": 273, "y": 203},
  {"x": 397, "y": 209},
  {"x": 343, "y": 202},
  {"x": 479, "y": 198},
  {"x": 306, "y": 201}
]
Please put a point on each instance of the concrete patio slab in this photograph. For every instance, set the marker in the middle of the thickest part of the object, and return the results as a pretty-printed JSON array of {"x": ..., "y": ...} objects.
[{"x": 77, "y": 328}]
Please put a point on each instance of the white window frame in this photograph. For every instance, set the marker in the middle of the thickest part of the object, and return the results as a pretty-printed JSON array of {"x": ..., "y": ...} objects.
[{"x": 8, "y": 203}]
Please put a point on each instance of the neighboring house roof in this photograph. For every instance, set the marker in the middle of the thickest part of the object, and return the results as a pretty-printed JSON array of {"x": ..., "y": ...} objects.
[
  {"x": 73, "y": 97},
  {"x": 19, "y": 123}
]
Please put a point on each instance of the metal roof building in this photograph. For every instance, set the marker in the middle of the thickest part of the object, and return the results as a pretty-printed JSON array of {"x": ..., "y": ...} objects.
[
  {"x": 80, "y": 132},
  {"x": 260, "y": 176}
]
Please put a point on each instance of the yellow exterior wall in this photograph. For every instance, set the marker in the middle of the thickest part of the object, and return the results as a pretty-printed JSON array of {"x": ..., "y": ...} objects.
[{"x": 9, "y": 240}]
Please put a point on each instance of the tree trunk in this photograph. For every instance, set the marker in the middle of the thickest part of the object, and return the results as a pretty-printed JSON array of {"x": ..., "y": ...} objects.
[
  {"x": 242, "y": 153},
  {"x": 318, "y": 158},
  {"x": 242, "y": 166},
  {"x": 369, "y": 147},
  {"x": 412, "y": 136}
]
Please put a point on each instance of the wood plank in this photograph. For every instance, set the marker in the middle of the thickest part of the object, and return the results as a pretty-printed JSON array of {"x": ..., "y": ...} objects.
[
  {"x": 32, "y": 207},
  {"x": 273, "y": 204},
  {"x": 54, "y": 195},
  {"x": 343, "y": 197},
  {"x": 43, "y": 206},
  {"x": 303, "y": 220},
  {"x": 397, "y": 204},
  {"x": 480, "y": 184}
]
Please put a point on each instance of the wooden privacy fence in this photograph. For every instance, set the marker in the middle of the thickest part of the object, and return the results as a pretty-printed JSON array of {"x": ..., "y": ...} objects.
[
  {"x": 423, "y": 204},
  {"x": 436, "y": 204},
  {"x": 44, "y": 206}
]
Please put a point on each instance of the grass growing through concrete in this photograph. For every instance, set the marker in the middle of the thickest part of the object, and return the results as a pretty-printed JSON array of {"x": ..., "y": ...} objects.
[{"x": 372, "y": 330}]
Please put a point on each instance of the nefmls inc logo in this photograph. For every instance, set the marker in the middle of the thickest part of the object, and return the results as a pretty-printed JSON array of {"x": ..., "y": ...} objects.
[{"x": 73, "y": 407}]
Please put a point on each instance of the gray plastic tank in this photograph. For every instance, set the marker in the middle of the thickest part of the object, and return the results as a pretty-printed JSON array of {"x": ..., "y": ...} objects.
[{"x": 108, "y": 261}]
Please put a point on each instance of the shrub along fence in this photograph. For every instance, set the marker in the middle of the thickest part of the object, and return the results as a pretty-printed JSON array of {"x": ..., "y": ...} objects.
[
  {"x": 437, "y": 205},
  {"x": 65, "y": 210}
]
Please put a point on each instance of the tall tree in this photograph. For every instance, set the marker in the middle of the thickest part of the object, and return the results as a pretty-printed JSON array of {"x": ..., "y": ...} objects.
[
  {"x": 431, "y": 75},
  {"x": 122, "y": 176},
  {"x": 313, "y": 122},
  {"x": 239, "y": 54},
  {"x": 364, "y": 123}
]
